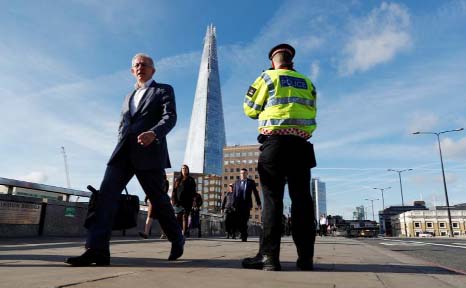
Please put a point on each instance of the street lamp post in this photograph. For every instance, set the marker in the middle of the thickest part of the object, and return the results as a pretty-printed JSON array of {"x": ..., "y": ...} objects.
[
  {"x": 443, "y": 171},
  {"x": 372, "y": 203},
  {"x": 401, "y": 190},
  {"x": 383, "y": 189}
]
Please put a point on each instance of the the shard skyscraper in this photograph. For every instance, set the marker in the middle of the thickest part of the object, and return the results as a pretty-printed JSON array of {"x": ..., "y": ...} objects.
[{"x": 206, "y": 136}]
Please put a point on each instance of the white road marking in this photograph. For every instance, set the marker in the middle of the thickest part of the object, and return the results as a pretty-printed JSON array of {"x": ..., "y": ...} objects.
[{"x": 405, "y": 242}]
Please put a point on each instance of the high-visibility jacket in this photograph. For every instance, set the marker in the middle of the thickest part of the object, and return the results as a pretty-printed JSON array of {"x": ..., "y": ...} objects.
[{"x": 282, "y": 99}]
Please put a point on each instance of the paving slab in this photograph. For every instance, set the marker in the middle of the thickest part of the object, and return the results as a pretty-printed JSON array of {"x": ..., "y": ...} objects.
[{"x": 214, "y": 262}]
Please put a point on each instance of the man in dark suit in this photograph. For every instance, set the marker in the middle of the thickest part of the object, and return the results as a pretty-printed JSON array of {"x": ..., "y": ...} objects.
[
  {"x": 148, "y": 114},
  {"x": 243, "y": 190}
]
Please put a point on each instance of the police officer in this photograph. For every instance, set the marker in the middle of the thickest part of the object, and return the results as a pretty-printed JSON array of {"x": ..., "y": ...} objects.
[{"x": 284, "y": 102}]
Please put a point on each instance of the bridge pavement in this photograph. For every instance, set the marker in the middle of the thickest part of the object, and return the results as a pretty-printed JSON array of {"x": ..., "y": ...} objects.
[{"x": 214, "y": 262}]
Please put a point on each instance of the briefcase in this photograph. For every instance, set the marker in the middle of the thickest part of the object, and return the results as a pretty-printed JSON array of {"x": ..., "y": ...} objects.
[{"x": 126, "y": 216}]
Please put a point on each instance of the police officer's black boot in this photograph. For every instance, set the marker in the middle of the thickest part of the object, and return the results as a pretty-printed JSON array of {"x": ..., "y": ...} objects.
[{"x": 262, "y": 262}]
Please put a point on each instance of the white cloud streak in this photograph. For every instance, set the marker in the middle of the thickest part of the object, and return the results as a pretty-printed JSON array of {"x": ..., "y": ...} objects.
[
  {"x": 315, "y": 69},
  {"x": 376, "y": 39},
  {"x": 454, "y": 149}
]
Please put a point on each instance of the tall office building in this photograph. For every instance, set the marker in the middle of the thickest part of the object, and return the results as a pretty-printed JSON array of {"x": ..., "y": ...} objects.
[
  {"x": 206, "y": 137},
  {"x": 359, "y": 213},
  {"x": 319, "y": 195}
]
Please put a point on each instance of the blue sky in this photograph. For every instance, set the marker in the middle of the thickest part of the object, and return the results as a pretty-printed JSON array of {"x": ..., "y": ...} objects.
[{"x": 382, "y": 70}]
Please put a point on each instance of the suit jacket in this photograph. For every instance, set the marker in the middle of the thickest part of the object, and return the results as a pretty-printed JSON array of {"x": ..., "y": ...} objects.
[
  {"x": 240, "y": 202},
  {"x": 156, "y": 112}
]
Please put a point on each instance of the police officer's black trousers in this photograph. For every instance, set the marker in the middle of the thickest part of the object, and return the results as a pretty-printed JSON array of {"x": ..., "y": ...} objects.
[{"x": 285, "y": 159}]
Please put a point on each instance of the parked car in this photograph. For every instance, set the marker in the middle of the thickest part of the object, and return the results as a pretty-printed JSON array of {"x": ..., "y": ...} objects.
[{"x": 426, "y": 234}]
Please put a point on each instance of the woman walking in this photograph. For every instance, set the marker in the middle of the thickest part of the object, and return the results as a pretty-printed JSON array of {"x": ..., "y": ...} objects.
[{"x": 183, "y": 195}]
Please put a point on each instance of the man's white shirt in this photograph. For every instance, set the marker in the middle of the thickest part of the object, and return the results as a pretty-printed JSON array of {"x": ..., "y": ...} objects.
[{"x": 133, "y": 106}]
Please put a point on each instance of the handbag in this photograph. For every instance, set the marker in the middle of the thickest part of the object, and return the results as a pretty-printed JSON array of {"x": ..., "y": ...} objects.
[{"x": 126, "y": 215}]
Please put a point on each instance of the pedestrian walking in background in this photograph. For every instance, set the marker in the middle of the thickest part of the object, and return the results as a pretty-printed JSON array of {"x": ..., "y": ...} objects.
[
  {"x": 183, "y": 195},
  {"x": 243, "y": 189},
  {"x": 229, "y": 212},
  {"x": 323, "y": 225},
  {"x": 195, "y": 217}
]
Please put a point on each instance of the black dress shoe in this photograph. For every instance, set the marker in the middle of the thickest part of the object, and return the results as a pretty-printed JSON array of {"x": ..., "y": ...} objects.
[
  {"x": 99, "y": 258},
  {"x": 305, "y": 264},
  {"x": 262, "y": 262},
  {"x": 176, "y": 250}
]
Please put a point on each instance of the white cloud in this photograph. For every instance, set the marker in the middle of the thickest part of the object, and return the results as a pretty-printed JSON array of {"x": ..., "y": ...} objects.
[
  {"x": 377, "y": 38},
  {"x": 177, "y": 62},
  {"x": 35, "y": 177},
  {"x": 422, "y": 121},
  {"x": 454, "y": 150},
  {"x": 315, "y": 69},
  {"x": 307, "y": 43}
]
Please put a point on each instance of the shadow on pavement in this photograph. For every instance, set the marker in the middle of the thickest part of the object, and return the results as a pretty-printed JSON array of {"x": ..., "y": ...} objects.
[{"x": 220, "y": 262}]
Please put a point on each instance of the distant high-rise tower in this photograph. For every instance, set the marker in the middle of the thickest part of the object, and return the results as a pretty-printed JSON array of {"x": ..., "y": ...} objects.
[
  {"x": 319, "y": 196},
  {"x": 206, "y": 137}
]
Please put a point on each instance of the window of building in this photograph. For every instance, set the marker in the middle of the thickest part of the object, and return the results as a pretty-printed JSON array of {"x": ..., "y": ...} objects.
[
  {"x": 250, "y": 161},
  {"x": 455, "y": 224},
  {"x": 225, "y": 177},
  {"x": 232, "y": 169},
  {"x": 250, "y": 169},
  {"x": 237, "y": 154},
  {"x": 225, "y": 162},
  {"x": 256, "y": 176},
  {"x": 225, "y": 185},
  {"x": 256, "y": 216},
  {"x": 429, "y": 225},
  {"x": 232, "y": 177},
  {"x": 238, "y": 170},
  {"x": 237, "y": 177},
  {"x": 442, "y": 224},
  {"x": 226, "y": 170},
  {"x": 417, "y": 224},
  {"x": 250, "y": 153}
]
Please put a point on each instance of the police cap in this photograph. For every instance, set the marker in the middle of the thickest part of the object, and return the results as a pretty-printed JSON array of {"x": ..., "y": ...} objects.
[{"x": 281, "y": 48}]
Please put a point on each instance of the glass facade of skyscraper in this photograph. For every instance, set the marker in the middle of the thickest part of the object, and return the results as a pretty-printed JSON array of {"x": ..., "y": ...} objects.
[
  {"x": 319, "y": 197},
  {"x": 206, "y": 136}
]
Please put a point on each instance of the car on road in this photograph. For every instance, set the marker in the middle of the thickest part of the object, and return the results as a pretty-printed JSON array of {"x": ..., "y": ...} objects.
[{"x": 425, "y": 234}]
